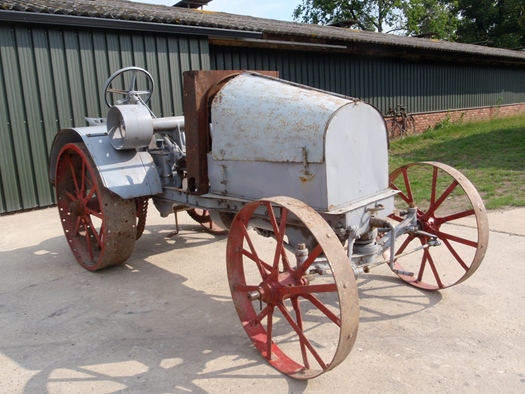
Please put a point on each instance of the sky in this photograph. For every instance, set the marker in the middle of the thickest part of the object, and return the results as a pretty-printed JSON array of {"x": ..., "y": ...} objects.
[{"x": 270, "y": 9}]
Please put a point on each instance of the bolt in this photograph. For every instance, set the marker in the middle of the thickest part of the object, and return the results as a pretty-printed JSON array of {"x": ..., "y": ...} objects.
[{"x": 254, "y": 295}]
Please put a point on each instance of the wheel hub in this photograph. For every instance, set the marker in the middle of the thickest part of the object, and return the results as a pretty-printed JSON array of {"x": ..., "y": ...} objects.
[
  {"x": 76, "y": 208},
  {"x": 273, "y": 289},
  {"x": 427, "y": 223}
]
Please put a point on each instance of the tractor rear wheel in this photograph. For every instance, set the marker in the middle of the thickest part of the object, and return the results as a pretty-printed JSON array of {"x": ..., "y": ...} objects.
[{"x": 100, "y": 226}]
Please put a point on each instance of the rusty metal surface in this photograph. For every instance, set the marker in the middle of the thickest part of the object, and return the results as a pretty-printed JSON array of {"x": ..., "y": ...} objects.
[
  {"x": 280, "y": 282},
  {"x": 197, "y": 86},
  {"x": 142, "y": 213},
  {"x": 202, "y": 217},
  {"x": 447, "y": 204},
  {"x": 263, "y": 119},
  {"x": 99, "y": 225}
]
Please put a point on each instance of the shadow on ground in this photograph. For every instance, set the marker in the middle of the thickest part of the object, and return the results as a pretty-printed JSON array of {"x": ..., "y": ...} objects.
[{"x": 147, "y": 321}]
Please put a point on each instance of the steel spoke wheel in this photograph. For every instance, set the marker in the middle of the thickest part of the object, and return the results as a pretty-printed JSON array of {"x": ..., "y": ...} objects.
[
  {"x": 449, "y": 208},
  {"x": 202, "y": 217},
  {"x": 394, "y": 129},
  {"x": 99, "y": 225},
  {"x": 303, "y": 324}
]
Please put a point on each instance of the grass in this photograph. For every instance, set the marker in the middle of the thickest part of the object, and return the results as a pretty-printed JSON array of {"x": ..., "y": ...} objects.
[{"x": 490, "y": 154}]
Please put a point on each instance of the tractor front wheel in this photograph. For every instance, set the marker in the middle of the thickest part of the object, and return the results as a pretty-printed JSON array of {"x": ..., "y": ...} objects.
[
  {"x": 450, "y": 209},
  {"x": 303, "y": 323}
]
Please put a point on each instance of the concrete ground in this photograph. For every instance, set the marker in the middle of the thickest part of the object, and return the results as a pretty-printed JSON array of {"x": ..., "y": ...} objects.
[{"x": 164, "y": 322}]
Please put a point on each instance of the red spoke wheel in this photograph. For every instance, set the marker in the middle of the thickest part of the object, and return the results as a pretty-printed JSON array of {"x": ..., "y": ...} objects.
[
  {"x": 98, "y": 224},
  {"x": 202, "y": 217},
  {"x": 302, "y": 324},
  {"x": 448, "y": 207}
]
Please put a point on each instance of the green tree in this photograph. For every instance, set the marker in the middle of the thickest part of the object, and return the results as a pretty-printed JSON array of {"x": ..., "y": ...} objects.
[
  {"x": 409, "y": 17},
  {"x": 430, "y": 16},
  {"x": 371, "y": 15},
  {"x": 499, "y": 23}
]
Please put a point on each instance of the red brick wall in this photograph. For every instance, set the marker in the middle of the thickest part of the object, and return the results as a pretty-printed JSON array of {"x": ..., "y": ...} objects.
[{"x": 430, "y": 119}]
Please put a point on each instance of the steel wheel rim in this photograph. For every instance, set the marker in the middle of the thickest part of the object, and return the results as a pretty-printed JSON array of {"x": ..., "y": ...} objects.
[
  {"x": 465, "y": 253},
  {"x": 282, "y": 288},
  {"x": 99, "y": 226}
]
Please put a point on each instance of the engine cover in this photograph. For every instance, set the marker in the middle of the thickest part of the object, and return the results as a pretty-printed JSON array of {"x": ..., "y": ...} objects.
[{"x": 271, "y": 137}]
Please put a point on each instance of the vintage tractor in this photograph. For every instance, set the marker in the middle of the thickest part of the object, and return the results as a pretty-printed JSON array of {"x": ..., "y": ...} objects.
[{"x": 299, "y": 178}]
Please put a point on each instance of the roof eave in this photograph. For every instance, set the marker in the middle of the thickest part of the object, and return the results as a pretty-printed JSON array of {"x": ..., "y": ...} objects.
[{"x": 104, "y": 23}]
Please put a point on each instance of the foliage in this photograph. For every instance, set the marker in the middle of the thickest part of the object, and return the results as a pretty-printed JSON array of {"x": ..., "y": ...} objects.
[
  {"x": 499, "y": 23},
  {"x": 365, "y": 15},
  {"x": 430, "y": 16},
  {"x": 410, "y": 17},
  {"x": 444, "y": 123}
]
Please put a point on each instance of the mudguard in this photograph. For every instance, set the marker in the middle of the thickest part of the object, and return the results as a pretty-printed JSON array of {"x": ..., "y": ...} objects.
[{"x": 127, "y": 173}]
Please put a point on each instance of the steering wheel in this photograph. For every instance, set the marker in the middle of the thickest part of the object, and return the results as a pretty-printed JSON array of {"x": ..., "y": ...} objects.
[{"x": 134, "y": 77}]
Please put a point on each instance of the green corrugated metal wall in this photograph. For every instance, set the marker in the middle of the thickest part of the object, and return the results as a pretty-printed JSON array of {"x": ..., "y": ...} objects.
[
  {"x": 385, "y": 82},
  {"x": 51, "y": 78}
]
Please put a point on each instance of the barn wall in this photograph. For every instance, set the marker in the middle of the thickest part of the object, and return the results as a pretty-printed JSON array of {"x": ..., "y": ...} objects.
[
  {"x": 51, "y": 78},
  {"x": 422, "y": 86},
  {"x": 428, "y": 120}
]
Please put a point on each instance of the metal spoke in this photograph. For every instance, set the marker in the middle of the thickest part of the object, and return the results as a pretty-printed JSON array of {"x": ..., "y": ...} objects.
[
  {"x": 322, "y": 307},
  {"x": 401, "y": 194},
  {"x": 434, "y": 186},
  {"x": 299, "y": 319},
  {"x": 133, "y": 81},
  {"x": 264, "y": 269},
  {"x": 310, "y": 260},
  {"x": 408, "y": 188},
  {"x": 442, "y": 235},
  {"x": 445, "y": 194},
  {"x": 268, "y": 309},
  {"x": 455, "y": 254},
  {"x": 309, "y": 289},
  {"x": 302, "y": 338},
  {"x": 456, "y": 216},
  {"x": 269, "y": 330},
  {"x": 433, "y": 268}
]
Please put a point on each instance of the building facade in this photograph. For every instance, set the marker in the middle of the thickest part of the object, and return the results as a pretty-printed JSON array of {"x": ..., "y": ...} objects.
[{"x": 55, "y": 56}]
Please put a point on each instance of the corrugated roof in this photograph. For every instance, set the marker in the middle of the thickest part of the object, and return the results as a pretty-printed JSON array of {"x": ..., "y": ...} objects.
[{"x": 131, "y": 11}]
